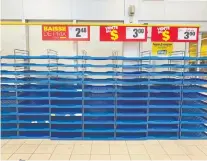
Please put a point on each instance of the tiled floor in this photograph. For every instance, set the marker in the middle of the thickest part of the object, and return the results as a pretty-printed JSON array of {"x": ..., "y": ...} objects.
[{"x": 103, "y": 150}]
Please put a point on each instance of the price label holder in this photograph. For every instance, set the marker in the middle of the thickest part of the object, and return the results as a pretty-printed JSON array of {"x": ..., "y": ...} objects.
[
  {"x": 136, "y": 33},
  {"x": 188, "y": 34},
  {"x": 79, "y": 33}
]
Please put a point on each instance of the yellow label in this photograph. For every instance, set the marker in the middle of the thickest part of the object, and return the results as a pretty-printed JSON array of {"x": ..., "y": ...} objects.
[
  {"x": 54, "y": 28},
  {"x": 114, "y": 35},
  {"x": 204, "y": 45},
  {"x": 165, "y": 35},
  {"x": 193, "y": 50},
  {"x": 162, "y": 48}
]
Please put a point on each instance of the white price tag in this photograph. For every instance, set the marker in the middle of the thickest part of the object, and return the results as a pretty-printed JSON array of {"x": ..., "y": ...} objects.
[
  {"x": 79, "y": 33},
  {"x": 186, "y": 34},
  {"x": 136, "y": 33}
]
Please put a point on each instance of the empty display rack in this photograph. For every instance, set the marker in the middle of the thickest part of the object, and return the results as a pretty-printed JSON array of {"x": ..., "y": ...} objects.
[{"x": 103, "y": 97}]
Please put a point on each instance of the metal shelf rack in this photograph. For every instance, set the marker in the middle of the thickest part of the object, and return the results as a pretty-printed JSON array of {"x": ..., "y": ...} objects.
[{"x": 153, "y": 98}]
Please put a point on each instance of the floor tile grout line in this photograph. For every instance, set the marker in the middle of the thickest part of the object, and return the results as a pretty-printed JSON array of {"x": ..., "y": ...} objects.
[
  {"x": 128, "y": 150},
  {"x": 165, "y": 151},
  {"x": 36, "y": 149},
  {"x": 70, "y": 155},
  {"x": 91, "y": 150},
  {"x": 201, "y": 149},
  {"x": 147, "y": 151},
  {"x": 189, "y": 146},
  {"x": 15, "y": 150},
  {"x": 34, "y": 152},
  {"x": 32, "y": 144},
  {"x": 93, "y": 143},
  {"x": 72, "y": 151},
  {"x": 109, "y": 151},
  {"x": 53, "y": 150}
]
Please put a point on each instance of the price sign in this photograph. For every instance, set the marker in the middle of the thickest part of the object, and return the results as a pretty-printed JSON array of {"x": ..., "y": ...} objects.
[
  {"x": 112, "y": 33},
  {"x": 174, "y": 34},
  {"x": 54, "y": 32},
  {"x": 188, "y": 34},
  {"x": 163, "y": 34},
  {"x": 136, "y": 33},
  {"x": 123, "y": 33},
  {"x": 79, "y": 33}
]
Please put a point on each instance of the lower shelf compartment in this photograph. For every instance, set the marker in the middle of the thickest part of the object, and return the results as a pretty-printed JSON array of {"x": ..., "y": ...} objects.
[
  {"x": 131, "y": 135},
  {"x": 163, "y": 135},
  {"x": 99, "y": 136},
  {"x": 8, "y": 134},
  {"x": 163, "y": 128},
  {"x": 34, "y": 134},
  {"x": 66, "y": 135},
  {"x": 193, "y": 135}
]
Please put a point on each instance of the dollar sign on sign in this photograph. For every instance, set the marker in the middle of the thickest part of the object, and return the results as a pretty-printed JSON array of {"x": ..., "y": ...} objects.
[
  {"x": 114, "y": 35},
  {"x": 165, "y": 35}
]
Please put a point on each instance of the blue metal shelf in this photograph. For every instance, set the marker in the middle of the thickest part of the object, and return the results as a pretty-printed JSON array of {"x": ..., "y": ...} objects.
[{"x": 142, "y": 100}]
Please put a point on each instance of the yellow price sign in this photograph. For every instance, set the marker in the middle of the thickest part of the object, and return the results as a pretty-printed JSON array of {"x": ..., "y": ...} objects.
[{"x": 163, "y": 49}]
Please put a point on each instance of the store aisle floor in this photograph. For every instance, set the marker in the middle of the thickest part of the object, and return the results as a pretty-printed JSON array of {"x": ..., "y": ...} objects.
[{"x": 103, "y": 150}]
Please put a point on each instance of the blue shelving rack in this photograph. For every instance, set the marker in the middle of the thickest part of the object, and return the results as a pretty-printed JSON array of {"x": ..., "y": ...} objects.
[{"x": 149, "y": 97}]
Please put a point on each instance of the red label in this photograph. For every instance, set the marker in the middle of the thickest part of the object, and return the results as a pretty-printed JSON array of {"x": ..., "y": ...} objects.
[
  {"x": 164, "y": 34},
  {"x": 112, "y": 33},
  {"x": 174, "y": 34},
  {"x": 54, "y": 32}
]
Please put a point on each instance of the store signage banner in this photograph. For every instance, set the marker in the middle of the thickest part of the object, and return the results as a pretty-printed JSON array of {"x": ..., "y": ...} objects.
[
  {"x": 123, "y": 33},
  {"x": 112, "y": 33},
  {"x": 162, "y": 48},
  {"x": 65, "y": 32},
  {"x": 54, "y": 32},
  {"x": 174, "y": 34}
]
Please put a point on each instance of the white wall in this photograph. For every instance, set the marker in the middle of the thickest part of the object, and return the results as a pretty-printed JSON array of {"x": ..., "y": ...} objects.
[
  {"x": 11, "y": 9},
  {"x": 12, "y": 37},
  {"x": 47, "y": 9},
  {"x": 186, "y": 10},
  {"x": 167, "y": 10},
  {"x": 98, "y": 9},
  {"x": 147, "y": 11}
]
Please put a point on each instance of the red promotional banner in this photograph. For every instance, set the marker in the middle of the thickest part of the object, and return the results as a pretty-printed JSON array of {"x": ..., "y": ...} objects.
[
  {"x": 174, "y": 34},
  {"x": 112, "y": 33},
  {"x": 123, "y": 33},
  {"x": 54, "y": 32}
]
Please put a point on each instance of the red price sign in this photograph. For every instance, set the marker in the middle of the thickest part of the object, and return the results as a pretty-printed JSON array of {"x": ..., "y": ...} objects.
[
  {"x": 123, "y": 33},
  {"x": 164, "y": 34},
  {"x": 54, "y": 32},
  {"x": 174, "y": 34},
  {"x": 112, "y": 33}
]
